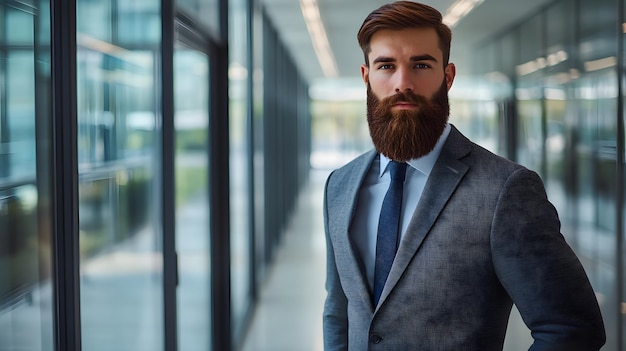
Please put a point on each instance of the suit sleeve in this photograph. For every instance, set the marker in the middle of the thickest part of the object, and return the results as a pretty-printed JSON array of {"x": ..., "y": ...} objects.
[
  {"x": 541, "y": 273},
  {"x": 335, "y": 318}
]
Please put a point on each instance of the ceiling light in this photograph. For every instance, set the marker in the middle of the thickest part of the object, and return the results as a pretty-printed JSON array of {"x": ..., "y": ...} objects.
[
  {"x": 458, "y": 10},
  {"x": 603, "y": 63},
  {"x": 315, "y": 26}
]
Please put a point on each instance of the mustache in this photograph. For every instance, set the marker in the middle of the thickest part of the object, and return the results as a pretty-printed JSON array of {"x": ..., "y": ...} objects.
[{"x": 407, "y": 96}]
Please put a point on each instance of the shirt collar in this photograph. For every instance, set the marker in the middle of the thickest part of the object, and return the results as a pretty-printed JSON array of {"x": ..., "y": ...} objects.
[{"x": 425, "y": 163}]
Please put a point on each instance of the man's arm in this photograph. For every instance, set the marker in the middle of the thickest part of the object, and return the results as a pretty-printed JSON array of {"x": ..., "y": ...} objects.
[
  {"x": 335, "y": 316},
  {"x": 539, "y": 270}
]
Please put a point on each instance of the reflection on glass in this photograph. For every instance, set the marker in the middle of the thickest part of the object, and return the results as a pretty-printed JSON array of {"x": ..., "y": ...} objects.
[
  {"x": 339, "y": 132},
  {"x": 240, "y": 191},
  {"x": 596, "y": 158},
  {"x": 530, "y": 132},
  {"x": 120, "y": 239},
  {"x": 207, "y": 10},
  {"x": 26, "y": 316},
  {"x": 477, "y": 101},
  {"x": 529, "y": 95},
  {"x": 191, "y": 89}
]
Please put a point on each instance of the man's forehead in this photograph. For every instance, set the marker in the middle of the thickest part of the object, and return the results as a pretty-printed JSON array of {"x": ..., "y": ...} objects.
[{"x": 412, "y": 43}]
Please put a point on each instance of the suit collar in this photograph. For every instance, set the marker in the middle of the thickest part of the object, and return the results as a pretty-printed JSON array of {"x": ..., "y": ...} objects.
[{"x": 425, "y": 163}]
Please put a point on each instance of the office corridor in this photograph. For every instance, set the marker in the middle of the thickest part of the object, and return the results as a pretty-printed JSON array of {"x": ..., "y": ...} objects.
[{"x": 289, "y": 311}]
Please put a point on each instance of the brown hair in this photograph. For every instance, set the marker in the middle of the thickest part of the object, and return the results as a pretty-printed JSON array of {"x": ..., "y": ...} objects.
[{"x": 401, "y": 15}]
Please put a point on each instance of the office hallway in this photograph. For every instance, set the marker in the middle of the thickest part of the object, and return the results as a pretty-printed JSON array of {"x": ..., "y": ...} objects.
[{"x": 289, "y": 311}]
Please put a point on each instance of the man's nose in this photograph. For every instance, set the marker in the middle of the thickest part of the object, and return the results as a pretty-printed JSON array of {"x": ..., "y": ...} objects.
[{"x": 404, "y": 81}]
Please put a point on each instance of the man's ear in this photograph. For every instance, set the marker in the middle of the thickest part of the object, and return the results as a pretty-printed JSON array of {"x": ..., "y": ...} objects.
[
  {"x": 450, "y": 73},
  {"x": 365, "y": 73}
]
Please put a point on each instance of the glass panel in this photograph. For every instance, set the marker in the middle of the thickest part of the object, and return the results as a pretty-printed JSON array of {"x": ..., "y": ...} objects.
[
  {"x": 529, "y": 94},
  {"x": 596, "y": 155},
  {"x": 119, "y": 191},
  {"x": 20, "y": 113},
  {"x": 596, "y": 185},
  {"x": 258, "y": 132},
  {"x": 26, "y": 316},
  {"x": 339, "y": 132},
  {"x": 205, "y": 13},
  {"x": 240, "y": 192},
  {"x": 191, "y": 79},
  {"x": 560, "y": 109},
  {"x": 476, "y": 98}
]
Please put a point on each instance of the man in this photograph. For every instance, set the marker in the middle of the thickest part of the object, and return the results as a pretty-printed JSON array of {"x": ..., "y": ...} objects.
[{"x": 476, "y": 232}]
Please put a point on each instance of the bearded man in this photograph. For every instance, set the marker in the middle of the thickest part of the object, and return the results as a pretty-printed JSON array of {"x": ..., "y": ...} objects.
[{"x": 430, "y": 238}]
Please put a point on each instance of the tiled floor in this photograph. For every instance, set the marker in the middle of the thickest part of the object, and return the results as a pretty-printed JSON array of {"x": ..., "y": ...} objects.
[{"x": 289, "y": 314}]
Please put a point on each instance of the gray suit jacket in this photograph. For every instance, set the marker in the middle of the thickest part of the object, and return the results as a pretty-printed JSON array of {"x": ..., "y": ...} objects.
[{"x": 482, "y": 237}]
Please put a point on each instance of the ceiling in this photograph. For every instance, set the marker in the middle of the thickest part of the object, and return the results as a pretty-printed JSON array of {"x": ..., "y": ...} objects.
[{"x": 342, "y": 19}]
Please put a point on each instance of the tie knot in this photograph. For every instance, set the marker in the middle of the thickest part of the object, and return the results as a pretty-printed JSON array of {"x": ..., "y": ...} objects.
[{"x": 397, "y": 170}]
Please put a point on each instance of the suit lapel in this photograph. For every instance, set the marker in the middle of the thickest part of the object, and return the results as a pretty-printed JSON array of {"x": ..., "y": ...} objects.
[
  {"x": 345, "y": 207},
  {"x": 442, "y": 182}
]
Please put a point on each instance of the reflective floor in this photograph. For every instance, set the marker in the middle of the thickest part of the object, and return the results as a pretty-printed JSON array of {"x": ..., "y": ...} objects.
[{"x": 289, "y": 313}]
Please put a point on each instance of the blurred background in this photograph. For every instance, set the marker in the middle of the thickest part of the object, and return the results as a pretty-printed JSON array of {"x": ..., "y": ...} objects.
[{"x": 162, "y": 162}]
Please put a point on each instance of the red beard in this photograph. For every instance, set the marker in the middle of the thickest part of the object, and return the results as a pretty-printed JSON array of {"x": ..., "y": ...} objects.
[{"x": 407, "y": 134}]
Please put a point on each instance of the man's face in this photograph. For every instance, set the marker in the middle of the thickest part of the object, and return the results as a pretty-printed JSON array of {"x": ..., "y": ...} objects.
[{"x": 407, "y": 91}]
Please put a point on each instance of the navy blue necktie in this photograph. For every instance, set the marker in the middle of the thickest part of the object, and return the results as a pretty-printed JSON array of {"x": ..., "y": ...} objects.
[{"x": 388, "y": 227}]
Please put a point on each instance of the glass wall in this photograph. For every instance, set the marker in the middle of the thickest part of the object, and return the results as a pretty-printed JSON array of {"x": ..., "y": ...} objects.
[
  {"x": 529, "y": 95},
  {"x": 151, "y": 118},
  {"x": 560, "y": 112},
  {"x": 340, "y": 132},
  {"x": 596, "y": 155},
  {"x": 258, "y": 142},
  {"x": 241, "y": 196},
  {"x": 286, "y": 135},
  {"x": 475, "y": 102},
  {"x": 207, "y": 11},
  {"x": 200, "y": 311},
  {"x": 567, "y": 129},
  {"x": 26, "y": 294},
  {"x": 191, "y": 121},
  {"x": 121, "y": 282}
]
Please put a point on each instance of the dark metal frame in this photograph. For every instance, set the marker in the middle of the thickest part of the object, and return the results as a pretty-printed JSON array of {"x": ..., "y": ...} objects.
[
  {"x": 621, "y": 145},
  {"x": 65, "y": 177},
  {"x": 219, "y": 184},
  {"x": 168, "y": 200}
]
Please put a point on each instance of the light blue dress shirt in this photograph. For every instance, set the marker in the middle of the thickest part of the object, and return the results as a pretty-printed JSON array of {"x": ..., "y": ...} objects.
[{"x": 363, "y": 228}]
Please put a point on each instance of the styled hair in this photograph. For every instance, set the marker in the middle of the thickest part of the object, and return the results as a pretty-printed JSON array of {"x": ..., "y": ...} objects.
[{"x": 402, "y": 15}]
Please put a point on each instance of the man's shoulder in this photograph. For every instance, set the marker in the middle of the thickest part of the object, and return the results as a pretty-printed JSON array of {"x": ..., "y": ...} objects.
[
  {"x": 480, "y": 156},
  {"x": 352, "y": 170}
]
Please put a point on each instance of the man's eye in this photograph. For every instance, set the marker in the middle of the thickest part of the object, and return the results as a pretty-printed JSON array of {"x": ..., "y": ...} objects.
[
  {"x": 387, "y": 66},
  {"x": 422, "y": 66}
]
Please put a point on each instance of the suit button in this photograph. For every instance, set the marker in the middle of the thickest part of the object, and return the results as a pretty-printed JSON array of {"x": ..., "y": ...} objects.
[{"x": 375, "y": 339}]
